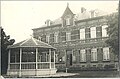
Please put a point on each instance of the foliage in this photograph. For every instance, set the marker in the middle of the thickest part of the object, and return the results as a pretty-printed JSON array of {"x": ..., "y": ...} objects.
[
  {"x": 112, "y": 31},
  {"x": 5, "y": 42}
]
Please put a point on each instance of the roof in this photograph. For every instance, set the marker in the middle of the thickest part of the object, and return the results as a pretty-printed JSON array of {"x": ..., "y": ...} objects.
[
  {"x": 67, "y": 11},
  {"x": 78, "y": 17},
  {"x": 31, "y": 42}
]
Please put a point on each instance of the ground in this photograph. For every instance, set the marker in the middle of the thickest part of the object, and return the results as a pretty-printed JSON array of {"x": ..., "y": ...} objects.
[
  {"x": 82, "y": 74},
  {"x": 96, "y": 74}
]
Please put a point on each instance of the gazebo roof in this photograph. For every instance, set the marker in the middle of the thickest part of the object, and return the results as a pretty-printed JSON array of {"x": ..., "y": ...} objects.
[{"x": 31, "y": 42}]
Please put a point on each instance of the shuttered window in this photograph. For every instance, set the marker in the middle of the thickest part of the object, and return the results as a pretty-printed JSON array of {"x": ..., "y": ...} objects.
[
  {"x": 63, "y": 36},
  {"x": 47, "y": 38},
  {"x": 104, "y": 31},
  {"x": 106, "y": 54},
  {"x": 51, "y": 38},
  {"x": 56, "y": 37},
  {"x": 68, "y": 36},
  {"x": 94, "y": 54},
  {"x": 93, "y": 32},
  {"x": 68, "y": 21},
  {"x": 82, "y": 55},
  {"x": 82, "y": 34}
]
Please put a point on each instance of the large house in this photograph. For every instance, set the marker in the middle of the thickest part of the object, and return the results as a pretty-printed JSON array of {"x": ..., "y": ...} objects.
[{"x": 79, "y": 39}]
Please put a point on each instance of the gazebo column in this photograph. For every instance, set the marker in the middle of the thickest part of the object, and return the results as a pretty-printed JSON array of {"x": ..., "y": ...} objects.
[
  {"x": 46, "y": 57},
  {"x": 9, "y": 61},
  {"x": 50, "y": 57},
  {"x": 54, "y": 58},
  {"x": 20, "y": 61},
  {"x": 36, "y": 60}
]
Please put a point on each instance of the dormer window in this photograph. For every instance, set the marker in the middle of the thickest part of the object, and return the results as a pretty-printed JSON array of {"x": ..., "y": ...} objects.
[
  {"x": 48, "y": 22},
  {"x": 67, "y": 21}
]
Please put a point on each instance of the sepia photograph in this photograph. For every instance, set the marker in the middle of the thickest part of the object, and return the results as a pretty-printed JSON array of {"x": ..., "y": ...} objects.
[{"x": 59, "y": 39}]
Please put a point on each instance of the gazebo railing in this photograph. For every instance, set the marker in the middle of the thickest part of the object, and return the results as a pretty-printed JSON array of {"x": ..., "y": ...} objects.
[
  {"x": 45, "y": 65},
  {"x": 14, "y": 65},
  {"x": 32, "y": 65},
  {"x": 28, "y": 65},
  {"x": 52, "y": 64}
]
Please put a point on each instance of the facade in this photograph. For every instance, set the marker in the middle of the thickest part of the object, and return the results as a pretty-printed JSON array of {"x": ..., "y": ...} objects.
[
  {"x": 31, "y": 57},
  {"x": 79, "y": 39}
]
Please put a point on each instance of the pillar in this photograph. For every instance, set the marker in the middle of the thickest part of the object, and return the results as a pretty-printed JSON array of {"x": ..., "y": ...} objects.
[
  {"x": 8, "y": 61},
  {"x": 54, "y": 58},
  {"x": 50, "y": 57},
  {"x": 20, "y": 61},
  {"x": 36, "y": 60},
  {"x": 46, "y": 57}
]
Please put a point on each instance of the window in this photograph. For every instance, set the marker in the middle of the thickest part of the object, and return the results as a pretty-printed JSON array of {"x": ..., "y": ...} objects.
[
  {"x": 56, "y": 37},
  {"x": 63, "y": 36},
  {"x": 82, "y": 55},
  {"x": 68, "y": 38},
  {"x": 104, "y": 31},
  {"x": 51, "y": 38},
  {"x": 82, "y": 34},
  {"x": 43, "y": 38},
  {"x": 75, "y": 34},
  {"x": 106, "y": 56},
  {"x": 68, "y": 21},
  {"x": 47, "y": 38},
  {"x": 94, "y": 54},
  {"x": 93, "y": 32}
]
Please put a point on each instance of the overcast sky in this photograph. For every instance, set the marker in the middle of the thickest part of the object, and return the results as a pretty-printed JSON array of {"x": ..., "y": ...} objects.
[{"x": 18, "y": 18}]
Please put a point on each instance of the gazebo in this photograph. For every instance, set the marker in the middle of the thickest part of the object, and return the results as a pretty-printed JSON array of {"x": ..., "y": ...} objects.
[{"x": 31, "y": 57}]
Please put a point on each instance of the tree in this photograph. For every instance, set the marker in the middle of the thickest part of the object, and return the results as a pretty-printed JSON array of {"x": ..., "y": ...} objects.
[
  {"x": 5, "y": 42},
  {"x": 112, "y": 31}
]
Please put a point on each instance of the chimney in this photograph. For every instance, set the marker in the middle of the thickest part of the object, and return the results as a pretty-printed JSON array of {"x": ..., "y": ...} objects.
[
  {"x": 48, "y": 22},
  {"x": 83, "y": 9},
  {"x": 92, "y": 13}
]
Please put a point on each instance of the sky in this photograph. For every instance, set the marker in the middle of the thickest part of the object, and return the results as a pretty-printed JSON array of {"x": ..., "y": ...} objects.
[{"x": 18, "y": 18}]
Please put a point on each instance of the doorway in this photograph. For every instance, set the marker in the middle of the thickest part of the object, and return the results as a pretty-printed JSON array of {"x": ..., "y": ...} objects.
[{"x": 69, "y": 58}]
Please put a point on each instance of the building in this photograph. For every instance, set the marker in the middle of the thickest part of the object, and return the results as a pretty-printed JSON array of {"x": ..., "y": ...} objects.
[
  {"x": 31, "y": 57},
  {"x": 79, "y": 39}
]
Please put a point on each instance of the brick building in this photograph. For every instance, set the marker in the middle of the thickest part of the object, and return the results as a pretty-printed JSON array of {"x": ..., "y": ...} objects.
[{"x": 79, "y": 39}]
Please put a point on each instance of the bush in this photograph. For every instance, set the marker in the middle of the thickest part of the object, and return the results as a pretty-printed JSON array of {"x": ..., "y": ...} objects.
[{"x": 109, "y": 66}]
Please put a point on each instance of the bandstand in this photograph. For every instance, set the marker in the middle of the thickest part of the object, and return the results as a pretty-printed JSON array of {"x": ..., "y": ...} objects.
[{"x": 31, "y": 57}]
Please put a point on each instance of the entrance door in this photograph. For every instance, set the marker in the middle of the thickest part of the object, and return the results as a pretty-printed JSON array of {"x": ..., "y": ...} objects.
[{"x": 69, "y": 58}]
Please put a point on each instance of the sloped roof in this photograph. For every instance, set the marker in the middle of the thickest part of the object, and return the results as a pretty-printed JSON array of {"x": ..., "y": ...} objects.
[
  {"x": 77, "y": 17},
  {"x": 31, "y": 42},
  {"x": 57, "y": 21},
  {"x": 67, "y": 11}
]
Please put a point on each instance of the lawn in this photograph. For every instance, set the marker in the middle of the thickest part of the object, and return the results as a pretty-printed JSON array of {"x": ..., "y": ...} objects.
[{"x": 95, "y": 74}]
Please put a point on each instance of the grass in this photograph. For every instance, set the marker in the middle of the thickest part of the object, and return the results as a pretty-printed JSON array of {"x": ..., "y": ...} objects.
[{"x": 95, "y": 74}]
